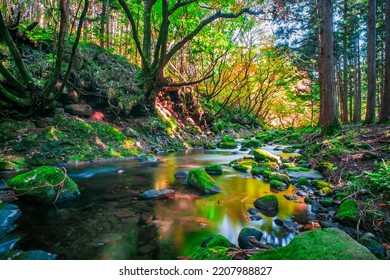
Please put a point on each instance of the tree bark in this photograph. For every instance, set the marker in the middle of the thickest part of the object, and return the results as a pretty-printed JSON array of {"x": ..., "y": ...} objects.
[
  {"x": 357, "y": 108},
  {"x": 344, "y": 92},
  {"x": 328, "y": 112},
  {"x": 385, "y": 108},
  {"x": 371, "y": 61}
]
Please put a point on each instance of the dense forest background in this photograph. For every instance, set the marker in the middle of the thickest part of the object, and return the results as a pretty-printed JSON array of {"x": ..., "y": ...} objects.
[{"x": 280, "y": 63}]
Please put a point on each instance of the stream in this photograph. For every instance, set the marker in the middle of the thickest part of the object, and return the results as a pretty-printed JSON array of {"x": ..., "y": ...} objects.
[{"x": 108, "y": 221}]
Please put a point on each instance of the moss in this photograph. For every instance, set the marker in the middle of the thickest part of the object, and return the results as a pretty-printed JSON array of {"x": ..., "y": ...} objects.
[
  {"x": 227, "y": 138},
  {"x": 271, "y": 165},
  {"x": 12, "y": 163},
  {"x": 278, "y": 185},
  {"x": 327, "y": 202},
  {"x": 320, "y": 244},
  {"x": 199, "y": 179},
  {"x": 298, "y": 169},
  {"x": 214, "y": 169},
  {"x": 319, "y": 184},
  {"x": 374, "y": 246},
  {"x": 218, "y": 241},
  {"x": 326, "y": 166},
  {"x": 288, "y": 165},
  {"x": 280, "y": 177},
  {"x": 215, "y": 253},
  {"x": 325, "y": 191},
  {"x": 341, "y": 195},
  {"x": 43, "y": 184},
  {"x": 268, "y": 203},
  {"x": 288, "y": 150},
  {"x": 303, "y": 182},
  {"x": 348, "y": 213},
  {"x": 257, "y": 171},
  {"x": 309, "y": 200},
  {"x": 227, "y": 145},
  {"x": 267, "y": 173},
  {"x": 242, "y": 167},
  {"x": 262, "y": 155},
  {"x": 210, "y": 146},
  {"x": 251, "y": 144}
]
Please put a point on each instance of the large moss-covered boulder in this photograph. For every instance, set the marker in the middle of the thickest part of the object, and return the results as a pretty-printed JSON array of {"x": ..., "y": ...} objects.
[
  {"x": 320, "y": 244},
  {"x": 200, "y": 180},
  {"x": 263, "y": 155},
  {"x": 44, "y": 185},
  {"x": 214, "y": 169},
  {"x": 268, "y": 205},
  {"x": 348, "y": 213}
]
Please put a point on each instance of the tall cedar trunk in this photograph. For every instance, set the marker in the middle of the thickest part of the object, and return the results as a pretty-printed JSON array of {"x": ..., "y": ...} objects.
[
  {"x": 108, "y": 24},
  {"x": 344, "y": 92},
  {"x": 328, "y": 112},
  {"x": 357, "y": 108},
  {"x": 385, "y": 108},
  {"x": 102, "y": 23},
  {"x": 371, "y": 61}
]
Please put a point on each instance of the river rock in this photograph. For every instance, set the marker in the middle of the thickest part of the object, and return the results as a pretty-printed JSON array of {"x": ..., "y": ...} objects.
[
  {"x": 268, "y": 205},
  {"x": 263, "y": 155},
  {"x": 214, "y": 169},
  {"x": 253, "y": 211},
  {"x": 319, "y": 244},
  {"x": 243, "y": 237},
  {"x": 374, "y": 246},
  {"x": 277, "y": 185},
  {"x": 255, "y": 218},
  {"x": 183, "y": 174},
  {"x": 83, "y": 110},
  {"x": 348, "y": 213},
  {"x": 30, "y": 255},
  {"x": 158, "y": 194},
  {"x": 200, "y": 180},
  {"x": 289, "y": 225},
  {"x": 9, "y": 213},
  {"x": 310, "y": 175},
  {"x": 147, "y": 158},
  {"x": 129, "y": 132},
  {"x": 44, "y": 185},
  {"x": 8, "y": 245},
  {"x": 291, "y": 196}
]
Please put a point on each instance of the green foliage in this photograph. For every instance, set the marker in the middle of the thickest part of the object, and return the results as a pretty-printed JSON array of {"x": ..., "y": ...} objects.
[{"x": 379, "y": 180}]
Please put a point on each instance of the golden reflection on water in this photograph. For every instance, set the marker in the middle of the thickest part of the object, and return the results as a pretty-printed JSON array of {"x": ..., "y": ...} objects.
[{"x": 193, "y": 219}]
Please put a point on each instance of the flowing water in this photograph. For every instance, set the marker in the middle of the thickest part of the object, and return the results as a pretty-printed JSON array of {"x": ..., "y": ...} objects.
[{"x": 104, "y": 223}]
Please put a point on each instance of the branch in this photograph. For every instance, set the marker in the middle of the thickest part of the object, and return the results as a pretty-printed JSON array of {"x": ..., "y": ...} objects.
[
  {"x": 11, "y": 80},
  {"x": 74, "y": 48},
  {"x": 18, "y": 100},
  {"x": 60, "y": 50},
  {"x": 15, "y": 53},
  {"x": 188, "y": 83},
  {"x": 204, "y": 23},
  {"x": 180, "y": 4},
  {"x": 135, "y": 33}
]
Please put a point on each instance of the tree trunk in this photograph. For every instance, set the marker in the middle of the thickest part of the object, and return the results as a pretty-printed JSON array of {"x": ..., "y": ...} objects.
[
  {"x": 344, "y": 94},
  {"x": 102, "y": 23},
  {"x": 328, "y": 113},
  {"x": 357, "y": 108},
  {"x": 385, "y": 108},
  {"x": 371, "y": 61}
]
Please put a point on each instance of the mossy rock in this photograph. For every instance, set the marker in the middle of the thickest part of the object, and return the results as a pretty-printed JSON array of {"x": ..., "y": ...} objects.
[
  {"x": 303, "y": 182},
  {"x": 200, "y": 180},
  {"x": 214, "y": 169},
  {"x": 271, "y": 165},
  {"x": 257, "y": 171},
  {"x": 288, "y": 165},
  {"x": 12, "y": 163},
  {"x": 217, "y": 240},
  {"x": 147, "y": 158},
  {"x": 267, "y": 173},
  {"x": 374, "y": 247},
  {"x": 268, "y": 205},
  {"x": 280, "y": 177},
  {"x": 348, "y": 213},
  {"x": 43, "y": 184},
  {"x": 251, "y": 144},
  {"x": 242, "y": 167},
  {"x": 288, "y": 150},
  {"x": 215, "y": 253},
  {"x": 262, "y": 155},
  {"x": 298, "y": 169},
  {"x": 327, "y": 202},
  {"x": 228, "y": 138},
  {"x": 319, "y": 184},
  {"x": 210, "y": 146},
  {"x": 227, "y": 145},
  {"x": 326, "y": 166},
  {"x": 325, "y": 191},
  {"x": 245, "y": 233},
  {"x": 309, "y": 200},
  {"x": 319, "y": 244},
  {"x": 275, "y": 184}
]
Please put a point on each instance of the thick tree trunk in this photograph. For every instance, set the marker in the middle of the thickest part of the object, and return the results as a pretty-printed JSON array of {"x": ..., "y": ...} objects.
[
  {"x": 102, "y": 23},
  {"x": 385, "y": 108},
  {"x": 328, "y": 111},
  {"x": 371, "y": 61},
  {"x": 344, "y": 92}
]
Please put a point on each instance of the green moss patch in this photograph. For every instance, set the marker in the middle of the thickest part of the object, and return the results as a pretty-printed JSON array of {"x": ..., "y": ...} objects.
[
  {"x": 298, "y": 169},
  {"x": 12, "y": 163},
  {"x": 262, "y": 155},
  {"x": 199, "y": 179},
  {"x": 319, "y": 184},
  {"x": 251, "y": 144},
  {"x": 44, "y": 185},
  {"x": 214, "y": 169},
  {"x": 215, "y": 253},
  {"x": 348, "y": 213},
  {"x": 280, "y": 177},
  {"x": 275, "y": 184},
  {"x": 320, "y": 244}
]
